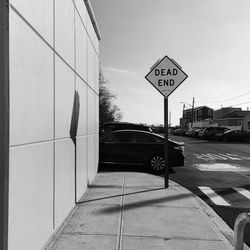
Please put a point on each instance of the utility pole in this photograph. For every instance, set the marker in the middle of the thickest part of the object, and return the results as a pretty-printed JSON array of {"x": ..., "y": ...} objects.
[
  {"x": 192, "y": 114},
  {"x": 183, "y": 117}
]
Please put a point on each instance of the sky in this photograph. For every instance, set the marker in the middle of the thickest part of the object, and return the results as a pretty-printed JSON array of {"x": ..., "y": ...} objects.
[{"x": 209, "y": 39}]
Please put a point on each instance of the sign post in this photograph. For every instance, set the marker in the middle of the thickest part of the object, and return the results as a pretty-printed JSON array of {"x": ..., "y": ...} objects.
[
  {"x": 166, "y": 75},
  {"x": 166, "y": 162}
]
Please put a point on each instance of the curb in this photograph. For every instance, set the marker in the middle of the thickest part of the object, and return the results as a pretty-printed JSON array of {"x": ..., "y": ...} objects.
[
  {"x": 223, "y": 230},
  {"x": 220, "y": 226}
]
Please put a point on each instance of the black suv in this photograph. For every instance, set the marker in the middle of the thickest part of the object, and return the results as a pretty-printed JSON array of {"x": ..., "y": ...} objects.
[{"x": 111, "y": 126}]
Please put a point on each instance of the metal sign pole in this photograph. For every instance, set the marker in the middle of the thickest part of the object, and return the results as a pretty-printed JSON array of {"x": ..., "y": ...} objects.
[
  {"x": 166, "y": 167},
  {"x": 166, "y": 75}
]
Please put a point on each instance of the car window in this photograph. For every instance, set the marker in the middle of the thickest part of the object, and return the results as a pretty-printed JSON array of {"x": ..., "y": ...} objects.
[
  {"x": 117, "y": 137},
  {"x": 140, "y": 137},
  {"x": 107, "y": 129}
]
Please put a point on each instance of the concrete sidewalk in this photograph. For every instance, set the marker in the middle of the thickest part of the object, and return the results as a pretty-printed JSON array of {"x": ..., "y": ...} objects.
[{"x": 132, "y": 211}]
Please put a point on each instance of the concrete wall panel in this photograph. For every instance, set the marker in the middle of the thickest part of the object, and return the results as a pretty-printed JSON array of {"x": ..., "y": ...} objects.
[
  {"x": 81, "y": 88},
  {"x": 91, "y": 112},
  {"x": 64, "y": 179},
  {"x": 81, "y": 9},
  {"x": 49, "y": 86},
  {"x": 91, "y": 31},
  {"x": 39, "y": 14},
  {"x": 31, "y": 85},
  {"x": 96, "y": 114},
  {"x": 96, "y": 73},
  {"x": 91, "y": 158},
  {"x": 91, "y": 64},
  {"x": 30, "y": 196},
  {"x": 64, "y": 98},
  {"x": 64, "y": 30},
  {"x": 81, "y": 48},
  {"x": 82, "y": 166}
]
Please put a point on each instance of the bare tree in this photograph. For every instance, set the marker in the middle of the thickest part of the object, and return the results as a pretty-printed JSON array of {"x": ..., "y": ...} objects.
[{"x": 108, "y": 111}]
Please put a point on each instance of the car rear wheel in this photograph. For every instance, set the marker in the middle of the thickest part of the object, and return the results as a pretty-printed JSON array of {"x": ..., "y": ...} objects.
[{"x": 156, "y": 163}]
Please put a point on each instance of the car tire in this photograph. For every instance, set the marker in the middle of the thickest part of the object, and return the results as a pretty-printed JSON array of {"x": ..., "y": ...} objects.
[{"x": 157, "y": 163}]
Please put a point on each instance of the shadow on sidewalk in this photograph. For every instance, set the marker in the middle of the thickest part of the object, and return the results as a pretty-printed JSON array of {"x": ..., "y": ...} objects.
[
  {"x": 143, "y": 203},
  {"x": 132, "y": 205},
  {"x": 119, "y": 195}
]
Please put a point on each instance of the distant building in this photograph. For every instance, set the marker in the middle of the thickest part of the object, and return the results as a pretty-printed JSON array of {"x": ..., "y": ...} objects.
[
  {"x": 221, "y": 112},
  {"x": 234, "y": 119},
  {"x": 199, "y": 114},
  {"x": 186, "y": 118},
  {"x": 246, "y": 123}
]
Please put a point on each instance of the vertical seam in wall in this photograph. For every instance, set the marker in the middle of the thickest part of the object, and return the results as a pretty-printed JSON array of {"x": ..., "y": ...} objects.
[
  {"x": 75, "y": 89},
  {"x": 54, "y": 118},
  {"x": 5, "y": 125},
  {"x": 87, "y": 99}
]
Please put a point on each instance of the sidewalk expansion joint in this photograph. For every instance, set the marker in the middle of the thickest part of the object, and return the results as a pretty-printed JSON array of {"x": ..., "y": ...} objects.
[
  {"x": 170, "y": 237},
  {"x": 120, "y": 225},
  {"x": 80, "y": 233}
]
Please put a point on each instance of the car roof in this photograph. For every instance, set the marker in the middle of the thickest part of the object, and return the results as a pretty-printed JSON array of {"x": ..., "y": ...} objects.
[
  {"x": 142, "y": 132},
  {"x": 133, "y": 130},
  {"x": 123, "y": 123}
]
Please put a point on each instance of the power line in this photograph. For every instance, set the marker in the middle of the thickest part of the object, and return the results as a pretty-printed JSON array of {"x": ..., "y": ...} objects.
[
  {"x": 231, "y": 91},
  {"x": 229, "y": 99},
  {"x": 239, "y": 104}
]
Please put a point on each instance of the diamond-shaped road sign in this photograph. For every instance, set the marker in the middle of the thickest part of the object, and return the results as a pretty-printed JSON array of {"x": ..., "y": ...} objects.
[{"x": 166, "y": 76}]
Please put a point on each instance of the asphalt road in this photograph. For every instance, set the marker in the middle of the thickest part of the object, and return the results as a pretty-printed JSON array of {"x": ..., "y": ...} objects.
[{"x": 219, "y": 173}]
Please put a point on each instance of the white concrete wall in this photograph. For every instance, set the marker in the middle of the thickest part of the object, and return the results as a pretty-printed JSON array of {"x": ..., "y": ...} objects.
[{"x": 54, "y": 62}]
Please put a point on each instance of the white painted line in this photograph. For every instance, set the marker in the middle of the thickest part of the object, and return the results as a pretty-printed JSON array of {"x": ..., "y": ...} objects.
[
  {"x": 216, "y": 157},
  {"x": 231, "y": 157},
  {"x": 243, "y": 191},
  {"x": 215, "y": 198}
]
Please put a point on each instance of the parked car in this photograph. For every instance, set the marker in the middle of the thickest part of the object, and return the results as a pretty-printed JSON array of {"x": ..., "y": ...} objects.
[
  {"x": 189, "y": 132},
  {"x": 139, "y": 148},
  {"x": 178, "y": 131},
  {"x": 194, "y": 132},
  {"x": 112, "y": 126},
  {"x": 197, "y": 132},
  {"x": 233, "y": 135},
  {"x": 210, "y": 132}
]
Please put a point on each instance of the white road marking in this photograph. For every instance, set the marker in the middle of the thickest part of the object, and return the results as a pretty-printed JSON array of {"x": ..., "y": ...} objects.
[
  {"x": 209, "y": 157},
  {"x": 215, "y": 198},
  {"x": 218, "y": 167},
  {"x": 243, "y": 191},
  {"x": 217, "y": 157},
  {"x": 231, "y": 157}
]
